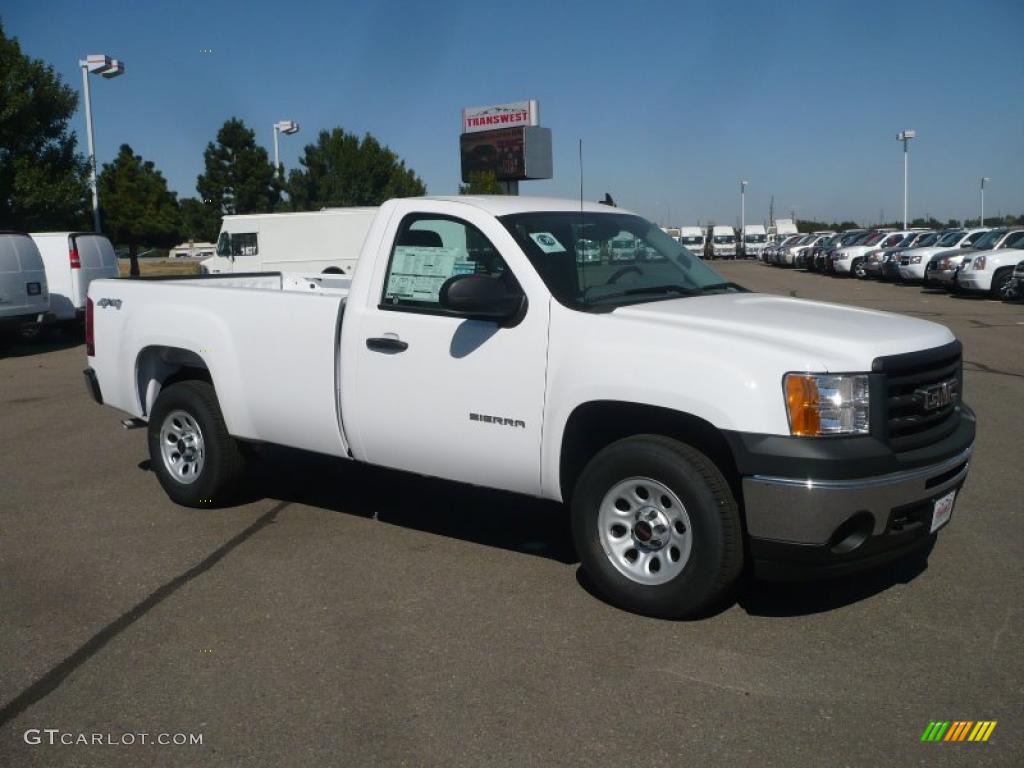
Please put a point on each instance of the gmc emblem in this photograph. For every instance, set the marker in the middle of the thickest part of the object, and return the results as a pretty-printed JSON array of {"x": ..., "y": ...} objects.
[{"x": 937, "y": 395}]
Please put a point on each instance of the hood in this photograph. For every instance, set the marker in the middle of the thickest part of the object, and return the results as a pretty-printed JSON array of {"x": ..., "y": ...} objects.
[{"x": 810, "y": 335}]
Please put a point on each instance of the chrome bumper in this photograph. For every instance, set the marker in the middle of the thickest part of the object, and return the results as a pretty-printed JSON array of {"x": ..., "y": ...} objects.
[{"x": 807, "y": 511}]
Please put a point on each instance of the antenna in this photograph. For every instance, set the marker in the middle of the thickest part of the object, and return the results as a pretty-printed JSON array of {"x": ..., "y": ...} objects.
[{"x": 581, "y": 180}]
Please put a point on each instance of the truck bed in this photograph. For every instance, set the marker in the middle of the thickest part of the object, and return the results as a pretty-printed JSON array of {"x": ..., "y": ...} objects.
[{"x": 268, "y": 340}]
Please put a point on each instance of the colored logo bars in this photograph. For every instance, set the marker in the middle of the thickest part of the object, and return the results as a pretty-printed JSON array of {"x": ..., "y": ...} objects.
[{"x": 959, "y": 730}]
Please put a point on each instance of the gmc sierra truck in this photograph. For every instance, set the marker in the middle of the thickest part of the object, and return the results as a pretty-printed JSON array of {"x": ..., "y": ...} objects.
[{"x": 692, "y": 427}]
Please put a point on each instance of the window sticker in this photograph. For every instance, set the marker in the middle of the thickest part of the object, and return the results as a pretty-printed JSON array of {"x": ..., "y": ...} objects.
[
  {"x": 417, "y": 272},
  {"x": 547, "y": 242}
]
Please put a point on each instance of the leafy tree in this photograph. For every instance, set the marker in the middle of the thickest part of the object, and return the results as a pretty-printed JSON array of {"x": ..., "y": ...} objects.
[
  {"x": 199, "y": 221},
  {"x": 42, "y": 176},
  {"x": 239, "y": 176},
  {"x": 341, "y": 170},
  {"x": 137, "y": 207},
  {"x": 482, "y": 183}
]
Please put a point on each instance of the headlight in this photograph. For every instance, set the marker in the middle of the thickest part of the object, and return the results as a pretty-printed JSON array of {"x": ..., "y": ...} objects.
[
  {"x": 915, "y": 259},
  {"x": 827, "y": 404},
  {"x": 978, "y": 263}
]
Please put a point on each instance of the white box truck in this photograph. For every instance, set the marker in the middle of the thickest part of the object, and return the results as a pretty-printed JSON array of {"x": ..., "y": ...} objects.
[
  {"x": 312, "y": 241},
  {"x": 723, "y": 242},
  {"x": 755, "y": 240}
]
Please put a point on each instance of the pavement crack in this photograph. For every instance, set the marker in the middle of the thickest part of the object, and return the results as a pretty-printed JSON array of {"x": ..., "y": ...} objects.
[
  {"x": 982, "y": 368},
  {"x": 52, "y": 680}
]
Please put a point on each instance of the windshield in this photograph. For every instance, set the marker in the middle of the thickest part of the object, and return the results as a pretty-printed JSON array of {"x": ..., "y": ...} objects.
[
  {"x": 989, "y": 240},
  {"x": 950, "y": 238},
  {"x": 1014, "y": 240},
  {"x": 755, "y": 238},
  {"x": 930, "y": 239},
  {"x": 662, "y": 268},
  {"x": 725, "y": 239},
  {"x": 692, "y": 239},
  {"x": 852, "y": 238},
  {"x": 873, "y": 239}
]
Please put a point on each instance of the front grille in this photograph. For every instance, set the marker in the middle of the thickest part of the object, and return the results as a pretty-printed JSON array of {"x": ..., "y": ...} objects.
[{"x": 909, "y": 423}]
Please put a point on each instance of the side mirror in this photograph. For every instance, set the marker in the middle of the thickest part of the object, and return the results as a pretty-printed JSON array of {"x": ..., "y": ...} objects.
[{"x": 480, "y": 297}]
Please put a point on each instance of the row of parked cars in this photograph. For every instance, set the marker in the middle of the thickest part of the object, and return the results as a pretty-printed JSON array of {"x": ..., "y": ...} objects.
[
  {"x": 44, "y": 277},
  {"x": 969, "y": 260}
]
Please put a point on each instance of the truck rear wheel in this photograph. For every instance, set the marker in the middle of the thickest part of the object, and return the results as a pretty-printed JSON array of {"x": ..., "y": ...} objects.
[
  {"x": 197, "y": 462},
  {"x": 657, "y": 528}
]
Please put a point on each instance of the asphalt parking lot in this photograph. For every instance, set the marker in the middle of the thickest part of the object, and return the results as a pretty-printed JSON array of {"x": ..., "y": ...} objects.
[{"x": 355, "y": 616}]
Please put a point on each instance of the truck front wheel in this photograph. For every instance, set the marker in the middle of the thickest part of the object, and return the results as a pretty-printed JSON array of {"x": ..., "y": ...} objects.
[
  {"x": 657, "y": 528},
  {"x": 197, "y": 462}
]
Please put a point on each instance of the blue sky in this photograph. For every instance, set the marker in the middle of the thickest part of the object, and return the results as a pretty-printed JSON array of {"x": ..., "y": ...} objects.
[{"x": 675, "y": 101}]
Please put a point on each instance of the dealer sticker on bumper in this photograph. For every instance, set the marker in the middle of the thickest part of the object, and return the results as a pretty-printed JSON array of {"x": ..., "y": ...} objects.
[{"x": 943, "y": 510}]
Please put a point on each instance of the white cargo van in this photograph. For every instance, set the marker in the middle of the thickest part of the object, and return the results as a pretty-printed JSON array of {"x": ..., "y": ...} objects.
[
  {"x": 24, "y": 298},
  {"x": 692, "y": 238},
  {"x": 755, "y": 239},
  {"x": 313, "y": 241},
  {"x": 73, "y": 260},
  {"x": 723, "y": 242}
]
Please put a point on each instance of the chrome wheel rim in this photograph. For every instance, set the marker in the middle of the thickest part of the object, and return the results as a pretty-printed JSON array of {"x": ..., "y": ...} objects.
[
  {"x": 645, "y": 530},
  {"x": 181, "y": 447}
]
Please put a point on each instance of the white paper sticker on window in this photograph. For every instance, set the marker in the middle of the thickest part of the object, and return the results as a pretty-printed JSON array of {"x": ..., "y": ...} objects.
[{"x": 547, "y": 242}]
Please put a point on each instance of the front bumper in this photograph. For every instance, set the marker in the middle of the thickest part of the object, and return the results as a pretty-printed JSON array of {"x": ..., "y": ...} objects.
[
  {"x": 832, "y": 505},
  {"x": 912, "y": 272},
  {"x": 973, "y": 281}
]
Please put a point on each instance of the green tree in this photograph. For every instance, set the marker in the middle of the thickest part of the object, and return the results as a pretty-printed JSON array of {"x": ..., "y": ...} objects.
[
  {"x": 482, "y": 183},
  {"x": 137, "y": 208},
  {"x": 239, "y": 176},
  {"x": 199, "y": 221},
  {"x": 341, "y": 170},
  {"x": 42, "y": 176}
]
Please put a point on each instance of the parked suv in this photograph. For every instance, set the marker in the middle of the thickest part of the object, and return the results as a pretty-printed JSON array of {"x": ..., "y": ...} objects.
[
  {"x": 943, "y": 266},
  {"x": 872, "y": 265},
  {"x": 992, "y": 270},
  {"x": 846, "y": 259},
  {"x": 24, "y": 298},
  {"x": 914, "y": 261}
]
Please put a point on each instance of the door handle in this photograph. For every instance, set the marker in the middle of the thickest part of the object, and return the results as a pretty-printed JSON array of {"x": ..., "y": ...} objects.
[{"x": 386, "y": 344}]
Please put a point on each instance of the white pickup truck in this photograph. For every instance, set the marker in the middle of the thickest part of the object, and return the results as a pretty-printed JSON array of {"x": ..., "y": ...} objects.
[{"x": 691, "y": 426}]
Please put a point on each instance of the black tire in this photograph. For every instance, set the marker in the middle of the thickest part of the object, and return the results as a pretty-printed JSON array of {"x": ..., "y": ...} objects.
[
  {"x": 1000, "y": 281},
  {"x": 715, "y": 558},
  {"x": 218, "y": 481}
]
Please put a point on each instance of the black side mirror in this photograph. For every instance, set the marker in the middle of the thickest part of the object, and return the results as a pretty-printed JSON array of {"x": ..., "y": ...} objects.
[{"x": 481, "y": 297}]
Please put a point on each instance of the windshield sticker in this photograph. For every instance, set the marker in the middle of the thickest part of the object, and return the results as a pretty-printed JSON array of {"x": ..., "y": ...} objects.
[{"x": 547, "y": 242}]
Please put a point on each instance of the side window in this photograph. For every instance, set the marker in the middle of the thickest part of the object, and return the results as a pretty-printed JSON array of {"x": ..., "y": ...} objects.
[
  {"x": 244, "y": 244},
  {"x": 429, "y": 249}
]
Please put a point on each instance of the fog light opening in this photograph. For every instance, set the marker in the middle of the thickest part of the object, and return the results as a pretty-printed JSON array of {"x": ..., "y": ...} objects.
[{"x": 851, "y": 534}]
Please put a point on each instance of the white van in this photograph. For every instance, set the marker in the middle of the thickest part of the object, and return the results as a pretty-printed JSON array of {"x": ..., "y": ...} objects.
[
  {"x": 723, "y": 242},
  {"x": 693, "y": 239},
  {"x": 755, "y": 239},
  {"x": 313, "y": 241},
  {"x": 24, "y": 297},
  {"x": 73, "y": 260}
]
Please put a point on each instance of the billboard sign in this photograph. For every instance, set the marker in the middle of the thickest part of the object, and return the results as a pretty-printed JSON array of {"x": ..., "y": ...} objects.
[
  {"x": 512, "y": 154},
  {"x": 500, "y": 116}
]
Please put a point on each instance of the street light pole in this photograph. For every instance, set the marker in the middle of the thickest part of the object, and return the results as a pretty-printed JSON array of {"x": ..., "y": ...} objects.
[
  {"x": 905, "y": 137},
  {"x": 95, "y": 63},
  {"x": 982, "y": 219},
  {"x": 743, "y": 217},
  {"x": 287, "y": 127}
]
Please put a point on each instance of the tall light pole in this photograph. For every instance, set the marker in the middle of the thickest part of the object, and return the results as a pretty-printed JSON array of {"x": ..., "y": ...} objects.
[
  {"x": 743, "y": 217},
  {"x": 905, "y": 137},
  {"x": 983, "y": 180},
  {"x": 287, "y": 127},
  {"x": 95, "y": 64}
]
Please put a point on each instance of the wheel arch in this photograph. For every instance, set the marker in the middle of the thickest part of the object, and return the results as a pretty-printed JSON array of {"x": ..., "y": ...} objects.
[
  {"x": 160, "y": 366},
  {"x": 596, "y": 424}
]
